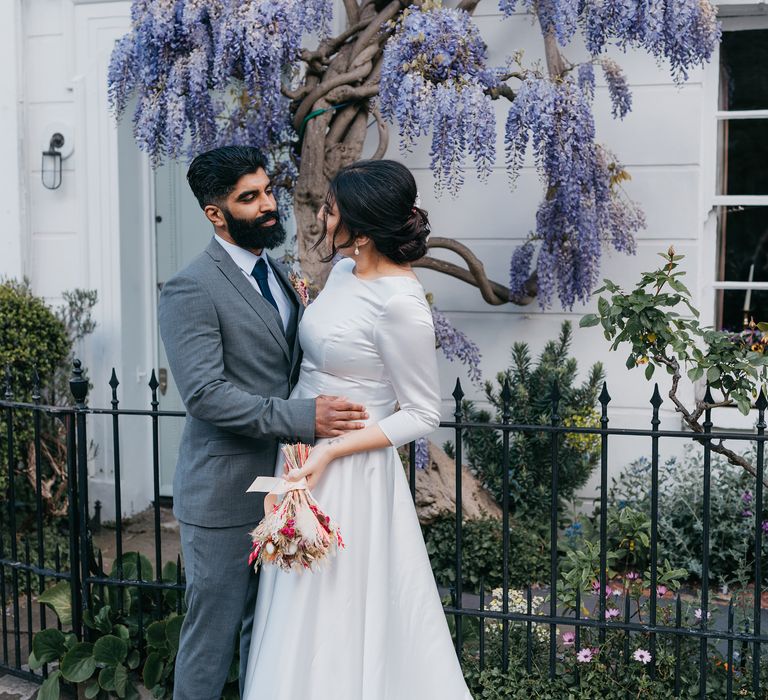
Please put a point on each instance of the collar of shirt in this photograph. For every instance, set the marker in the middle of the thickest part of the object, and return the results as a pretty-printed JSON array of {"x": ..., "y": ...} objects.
[{"x": 243, "y": 258}]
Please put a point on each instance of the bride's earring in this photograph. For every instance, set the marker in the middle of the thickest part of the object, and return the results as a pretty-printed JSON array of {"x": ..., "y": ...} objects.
[{"x": 357, "y": 249}]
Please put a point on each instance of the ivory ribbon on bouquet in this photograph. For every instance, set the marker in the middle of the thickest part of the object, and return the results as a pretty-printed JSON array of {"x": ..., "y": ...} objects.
[{"x": 275, "y": 486}]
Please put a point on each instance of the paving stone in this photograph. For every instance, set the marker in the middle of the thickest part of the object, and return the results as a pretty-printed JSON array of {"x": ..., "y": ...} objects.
[{"x": 13, "y": 688}]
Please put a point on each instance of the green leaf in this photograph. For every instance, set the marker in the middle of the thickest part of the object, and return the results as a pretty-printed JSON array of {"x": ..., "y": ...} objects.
[
  {"x": 153, "y": 670},
  {"x": 59, "y": 598},
  {"x": 170, "y": 572},
  {"x": 589, "y": 320},
  {"x": 173, "y": 632},
  {"x": 51, "y": 688},
  {"x": 78, "y": 663},
  {"x": 121, "y": 680},
  {"x": 33, "y": 663},
  {"x": 631, "y": 362},
  {"x": 47, "y": 645},
  {"x": 110, "y": 650},
  {"x": 122, "y": 632},
  {"x": 649, "y": 370},
  {"x": 101, "y": 621},
  {"x": 130, "y": 567},
  {"x": 713, "y": 374},
  {"x": 156, "y": 634},
  {"x": 134, "y": 659},
  {"x": 92, "y": 689},
  {"x": 107, "y": 678}
]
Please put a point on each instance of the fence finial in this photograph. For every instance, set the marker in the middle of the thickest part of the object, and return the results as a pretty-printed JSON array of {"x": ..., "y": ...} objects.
[
  {"x": 114, "y": 383},
  {"x": 35, "y": 385},
  {"x": 604, "y": 397},
  {"x": 458, "y": 392},
  {"x": 78, "y": 384},
  {"x": 656, "y": 399},
  {"x": 762, "y": 403}
]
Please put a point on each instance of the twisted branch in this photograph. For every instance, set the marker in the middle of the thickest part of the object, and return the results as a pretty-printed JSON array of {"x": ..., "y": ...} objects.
[
  {"x": 381, "y": 125},
  {"x": 691, "y": 419},
  {"x": 492, "y": 292},
  {"x": 353, "y": 76}
]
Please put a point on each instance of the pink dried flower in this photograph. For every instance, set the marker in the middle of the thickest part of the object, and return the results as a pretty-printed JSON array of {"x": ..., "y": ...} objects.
[
  {"x": 568, "y": 638},
  {"x": 611, "y": 613},
  {"x": 585, "y": 656},
  {"x": 632, "y": 576},
  {"x": 661, "y": 591}
]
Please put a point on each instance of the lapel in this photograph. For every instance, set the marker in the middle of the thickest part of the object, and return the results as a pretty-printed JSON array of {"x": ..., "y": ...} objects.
[
  {"x": 294, "y": 295},
  {"x": 286, "y": 282},
  {"x": 257, "y": 302}
]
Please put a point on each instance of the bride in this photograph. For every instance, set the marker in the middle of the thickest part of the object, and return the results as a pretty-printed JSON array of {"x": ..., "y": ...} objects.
[{"x": 369, "y": 626}]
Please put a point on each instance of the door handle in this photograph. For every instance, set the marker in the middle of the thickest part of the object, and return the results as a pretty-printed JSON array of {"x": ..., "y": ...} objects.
[{"x": 163, "y": 380}]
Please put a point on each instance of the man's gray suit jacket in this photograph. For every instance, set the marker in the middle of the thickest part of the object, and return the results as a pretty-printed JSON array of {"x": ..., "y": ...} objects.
[{"x": 235, "y": 367}]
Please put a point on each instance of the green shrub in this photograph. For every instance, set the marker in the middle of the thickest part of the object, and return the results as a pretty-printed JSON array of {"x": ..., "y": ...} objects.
[
  {"x": 681, "y": 507},
  {"x": 530, "y": 464},
  {"x": 482, "y": 552},
  {"x": 115, "y": 661},
  {"x": 34, "y": 337}
]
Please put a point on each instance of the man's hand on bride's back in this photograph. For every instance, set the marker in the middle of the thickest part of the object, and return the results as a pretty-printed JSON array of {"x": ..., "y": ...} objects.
[{"x": 336, "y": 415}]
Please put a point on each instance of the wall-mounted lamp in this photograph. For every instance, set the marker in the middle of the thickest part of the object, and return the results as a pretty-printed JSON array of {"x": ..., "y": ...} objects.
[{"x": 51, "y": 168}]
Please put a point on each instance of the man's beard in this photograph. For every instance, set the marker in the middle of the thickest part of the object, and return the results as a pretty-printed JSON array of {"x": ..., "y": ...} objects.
[{"x": 253, "y": 233}]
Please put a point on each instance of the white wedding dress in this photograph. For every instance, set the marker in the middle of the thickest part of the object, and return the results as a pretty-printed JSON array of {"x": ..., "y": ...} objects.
[{"x": 369, "y": 626}]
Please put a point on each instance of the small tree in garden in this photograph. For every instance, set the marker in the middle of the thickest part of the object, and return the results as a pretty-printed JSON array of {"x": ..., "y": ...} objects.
[
  {"x": 531, "y": 385},
  {"x": 208, "y": 72},
  {"x": 658, "y": 335},
  {"x": 36, "y": 352}
]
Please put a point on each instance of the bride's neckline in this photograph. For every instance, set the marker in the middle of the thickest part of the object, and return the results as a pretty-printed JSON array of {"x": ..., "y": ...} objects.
[{"x": 382, "y": 277}]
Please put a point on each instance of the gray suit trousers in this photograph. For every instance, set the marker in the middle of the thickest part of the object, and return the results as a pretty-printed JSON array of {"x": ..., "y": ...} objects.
[{"x": 221, "y": 595}]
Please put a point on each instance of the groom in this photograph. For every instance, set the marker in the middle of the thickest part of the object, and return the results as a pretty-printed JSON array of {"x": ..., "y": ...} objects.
[{"x": 229, "y": 324}]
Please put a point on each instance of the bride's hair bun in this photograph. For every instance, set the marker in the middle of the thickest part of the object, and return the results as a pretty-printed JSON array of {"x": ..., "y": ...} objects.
[
  {"x": 414, "y": 238},
  {"x": 376, "y": 198}
]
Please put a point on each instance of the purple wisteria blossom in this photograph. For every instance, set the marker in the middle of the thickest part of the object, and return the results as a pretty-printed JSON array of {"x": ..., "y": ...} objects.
[
  {"x": 422, "y": 453},
  {"x": 583, "y": 207},
  {"x": 684, "y": 32},
  {"x": 618, "y": 89},
  {"x": 455, "y": 345},
  {"x": 434, "y": 78},
  {"x": 209, "y": 72},
  {"x": 519, "y": 269}
]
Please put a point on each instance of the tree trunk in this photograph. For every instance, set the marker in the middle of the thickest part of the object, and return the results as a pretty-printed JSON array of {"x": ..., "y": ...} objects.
[{"x": 436, "y": 490}]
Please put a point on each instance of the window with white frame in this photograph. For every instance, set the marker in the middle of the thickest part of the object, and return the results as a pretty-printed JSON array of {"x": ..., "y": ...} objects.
[{"x": 742, "y": 194}]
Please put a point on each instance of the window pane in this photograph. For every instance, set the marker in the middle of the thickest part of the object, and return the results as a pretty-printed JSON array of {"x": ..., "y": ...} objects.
[
  {"x": 743, "y": 247},
  {"x": 744, "y": 156},
  {"x": 743, "y": 62}
]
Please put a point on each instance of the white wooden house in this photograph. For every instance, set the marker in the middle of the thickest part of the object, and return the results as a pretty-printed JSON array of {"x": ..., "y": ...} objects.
[{"x": 116, "y": 226}]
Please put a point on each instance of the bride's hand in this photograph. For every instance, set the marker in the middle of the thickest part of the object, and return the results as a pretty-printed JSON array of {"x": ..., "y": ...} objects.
[{"x": 319, "y": 458}]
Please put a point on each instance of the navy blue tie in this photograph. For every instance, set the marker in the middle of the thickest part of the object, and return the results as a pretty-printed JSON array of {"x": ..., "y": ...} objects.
[{"x": 261, "y": 274}]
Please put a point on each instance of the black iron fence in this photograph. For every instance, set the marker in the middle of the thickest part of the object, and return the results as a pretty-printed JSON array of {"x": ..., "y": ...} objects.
[{"x": 528, "y": 631}]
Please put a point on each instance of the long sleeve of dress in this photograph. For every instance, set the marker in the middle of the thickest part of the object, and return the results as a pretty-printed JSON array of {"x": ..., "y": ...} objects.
[{"x": 405, "y": 338}]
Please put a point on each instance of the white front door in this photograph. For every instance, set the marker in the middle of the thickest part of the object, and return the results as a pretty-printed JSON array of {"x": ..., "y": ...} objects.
[{"x": 181, "y": 232}]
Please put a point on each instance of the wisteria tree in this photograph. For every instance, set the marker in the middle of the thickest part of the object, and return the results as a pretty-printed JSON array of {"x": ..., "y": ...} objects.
[{"x": 209, "y": 72}]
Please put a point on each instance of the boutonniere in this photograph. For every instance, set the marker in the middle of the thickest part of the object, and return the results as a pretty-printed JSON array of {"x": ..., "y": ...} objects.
[{"x": 301, "y": 287}]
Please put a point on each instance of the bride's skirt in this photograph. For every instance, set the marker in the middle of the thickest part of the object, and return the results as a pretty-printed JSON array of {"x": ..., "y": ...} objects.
[{"x": 369, "y": 626}]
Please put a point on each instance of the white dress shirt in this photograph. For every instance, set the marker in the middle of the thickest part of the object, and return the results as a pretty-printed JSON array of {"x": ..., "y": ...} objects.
[{"x": 246, "y": 261}]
